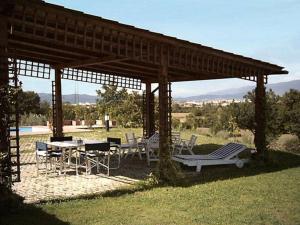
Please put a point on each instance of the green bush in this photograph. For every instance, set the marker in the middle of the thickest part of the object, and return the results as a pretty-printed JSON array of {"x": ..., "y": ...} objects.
[
  {"x": 204, "y": 131},
  {"x": 289, "y": 143},
  {"x": 247, "y": 137},
  {"x": 223, "y": 134},
  {"x": 33, "y": 120}
]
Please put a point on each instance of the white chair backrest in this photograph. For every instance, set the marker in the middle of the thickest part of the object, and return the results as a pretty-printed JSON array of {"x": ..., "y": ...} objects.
[
  {"x": 192, "y": 141},
  {"x": 130, "y": 138},
  {"x": 153, "y": 141},
  {"x": 176, "y": 137},
  {"x": 228, "y": 150},
  {"x": 41, "y": 146}
]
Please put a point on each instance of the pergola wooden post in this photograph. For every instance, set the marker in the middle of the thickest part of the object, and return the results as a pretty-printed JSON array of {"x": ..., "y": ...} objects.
[
  {"x": 58, "y": 105},
  {"x": 150, "y": 123},
  {"x": 4, "y": 79},
  {"x": 260, "y": 117},
  {"x": 165, "y": 164}
]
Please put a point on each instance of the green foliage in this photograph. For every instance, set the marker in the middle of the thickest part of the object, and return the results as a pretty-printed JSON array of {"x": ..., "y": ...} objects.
[
  {"x": 7, "y": 94},
  {"x": 45, "y": 110},
  {"x": 29, "y": 102},
  {"x": 69, "y": 112},
  {"x": 191, "y": 122},
  {"x": 91, "y": 114},
  {"x": 247, "y": 137},
  {"x": 223, "y": 134},
  {"x": 204, "y": 131},
  {"x": 282, "y": 116},
  {"x": 33, "y": 120},
  {"x": 290, "y": 112},
  {"x": 244, "y": 113},
  {"x": 175, "y": 123},
  {"x": 81, "y": 112},
  {"x": 289, "y": 143},
  {"x": 124, "y": 107}
]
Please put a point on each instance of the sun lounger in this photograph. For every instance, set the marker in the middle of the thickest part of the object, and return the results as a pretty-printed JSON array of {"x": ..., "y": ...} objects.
[{"x": 227, "y": 154}]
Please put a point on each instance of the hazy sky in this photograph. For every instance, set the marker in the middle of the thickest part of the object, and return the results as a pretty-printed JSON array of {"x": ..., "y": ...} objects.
[{"x": 268, "y": 30}]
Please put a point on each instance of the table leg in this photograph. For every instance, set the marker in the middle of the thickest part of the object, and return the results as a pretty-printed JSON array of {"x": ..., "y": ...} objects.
[
  {"x": 76, "y": 158},
  {"x": 61, "y": 161},
  {"x": 69, "y": 156}
]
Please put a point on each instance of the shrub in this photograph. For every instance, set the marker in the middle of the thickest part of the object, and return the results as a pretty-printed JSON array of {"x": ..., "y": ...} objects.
[
  {"x": 223, "y": 134},
  {"x": 33, "y": 120},
  {"x": 289, "y": 143},
  {"x": 204, "y": 131},
  {"x": 247, "y": 137}
]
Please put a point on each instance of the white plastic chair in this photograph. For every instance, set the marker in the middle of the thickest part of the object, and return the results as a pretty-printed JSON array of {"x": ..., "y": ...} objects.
[
  {"x": 42, "y": 154},
  {"x": 186, "y": 145},
  {"x": 152, "y": 148},
  {"x": 132, "y": 146}
]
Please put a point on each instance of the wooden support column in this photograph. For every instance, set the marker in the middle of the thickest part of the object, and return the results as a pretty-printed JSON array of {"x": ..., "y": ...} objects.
[
  {"x": 4, "y": 79},
  {"x": 260, "y": 117},
  {"x": 167, "y": 171},
  {"x": 152, "y": 114},
  {"x": 163, "y": 109},
  {"x": 147, "y": 115},
  {"x": 58, "y": 108},
  {"x": 4, "y": 105}
]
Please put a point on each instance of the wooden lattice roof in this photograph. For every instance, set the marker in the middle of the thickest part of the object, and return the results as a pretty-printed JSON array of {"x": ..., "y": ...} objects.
[{"x": 65, "y": 38}]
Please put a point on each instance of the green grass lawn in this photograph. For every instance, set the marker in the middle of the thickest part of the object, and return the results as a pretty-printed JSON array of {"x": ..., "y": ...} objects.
[
  {"x": 255, "y": 194},
  {"x": 269, "y": 198}
]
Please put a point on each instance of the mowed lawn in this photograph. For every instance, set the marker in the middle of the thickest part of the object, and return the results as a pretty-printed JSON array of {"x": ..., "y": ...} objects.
[
  {"x": 255, "y": 194},
  {"x": 270, "y": 198}
]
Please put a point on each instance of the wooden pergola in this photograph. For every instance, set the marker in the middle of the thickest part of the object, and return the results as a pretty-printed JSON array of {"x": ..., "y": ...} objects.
[{"x": 36, "y": 36}]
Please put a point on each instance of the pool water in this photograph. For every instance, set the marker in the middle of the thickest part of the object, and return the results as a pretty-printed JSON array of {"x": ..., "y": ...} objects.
[{"x": 24, "y": 129}]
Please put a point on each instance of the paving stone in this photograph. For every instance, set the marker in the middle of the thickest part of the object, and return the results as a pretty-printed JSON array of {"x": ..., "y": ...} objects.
[{"x": 35, "y": 188}]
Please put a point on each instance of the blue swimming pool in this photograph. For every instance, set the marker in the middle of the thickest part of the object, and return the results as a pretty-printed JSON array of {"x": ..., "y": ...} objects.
[{"x": 24, "y": 129}]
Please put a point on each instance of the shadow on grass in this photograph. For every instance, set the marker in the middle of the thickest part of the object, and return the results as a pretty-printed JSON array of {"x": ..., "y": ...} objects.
[{"x": 14, "y": 212}]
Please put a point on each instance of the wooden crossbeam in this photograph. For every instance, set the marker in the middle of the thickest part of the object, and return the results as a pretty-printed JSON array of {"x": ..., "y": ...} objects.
[{"x": 89, "y": 62}]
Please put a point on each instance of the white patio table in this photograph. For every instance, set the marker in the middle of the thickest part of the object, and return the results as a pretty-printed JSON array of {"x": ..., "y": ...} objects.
[{"x": 70, "y": 147}]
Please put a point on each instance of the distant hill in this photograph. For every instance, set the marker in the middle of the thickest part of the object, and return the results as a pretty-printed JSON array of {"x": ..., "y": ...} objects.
[
  {"x": 82, "y": 98},
  {"x": 238, "y": 93},
  {"x": 233, "y": 93}
]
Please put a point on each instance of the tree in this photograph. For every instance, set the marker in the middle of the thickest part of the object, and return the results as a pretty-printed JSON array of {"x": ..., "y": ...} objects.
[
  {"x": 90, "y": 115},
  {"x": 290, "y": 112},
  {"x": 29, "y": 102},
  {"x": 45, "y": 109},
  {"x": 69, "y": 112},
  {"x": 244, "y": 114},
  {"x": 79, "y": 112},
  {"x": 124, "y": 107}
]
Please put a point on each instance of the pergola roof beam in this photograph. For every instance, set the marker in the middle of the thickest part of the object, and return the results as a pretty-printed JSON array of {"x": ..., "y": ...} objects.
[{"x": 90, "y": 62}]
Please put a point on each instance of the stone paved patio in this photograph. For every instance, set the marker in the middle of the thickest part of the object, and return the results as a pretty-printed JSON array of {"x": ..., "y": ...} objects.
[{"x": 35, "y": 188}]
